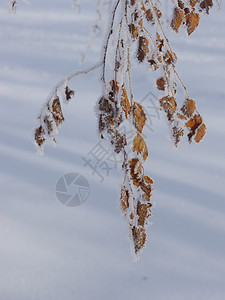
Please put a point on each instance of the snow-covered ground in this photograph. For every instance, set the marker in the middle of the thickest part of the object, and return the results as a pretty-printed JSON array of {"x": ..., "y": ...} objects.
[{"x": 49, "y": 251}]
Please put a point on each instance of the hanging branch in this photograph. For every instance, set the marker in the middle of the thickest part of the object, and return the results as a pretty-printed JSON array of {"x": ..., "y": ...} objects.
[{"x": 135, "y": 25}]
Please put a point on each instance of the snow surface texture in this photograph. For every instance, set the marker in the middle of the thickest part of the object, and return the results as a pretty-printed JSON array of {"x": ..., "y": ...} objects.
[{"x": 49, "y": 251}]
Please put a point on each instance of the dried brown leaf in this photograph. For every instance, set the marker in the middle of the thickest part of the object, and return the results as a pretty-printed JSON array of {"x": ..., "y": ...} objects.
[
  {"x": 57, "y": 111},
  {"x": 142, "y": 212},
  {"x": 139, "y": 238},
  {"x": 160, "y": 83},
  {"x": 177, "y": 134},
  {"x": 133, "y": 30},
  {"x": 169, "y": 105},
  {"x": 159, "y": 42},
  {"x": 192, "y": 21},
  {"x": 200, "y": 133},
  {"x": 149, "y": 15},
  {"x": 193, "y": 124},
  {"x": 39, "y": 136},
  {"x": 142, "y": 48},
  {"x": 206, "y": 4},
  {"x": 139, "y": 116},
  {"x": 135, "y": 171},
  {"x": 178, "y": 15},
  {"x": 125, "y": 104},
  {"x": 188, "y": 108},
  {"x": 69, "y": 93},
  {"x": 140, "y": 146},
  {"x": 124, "y": 200}
]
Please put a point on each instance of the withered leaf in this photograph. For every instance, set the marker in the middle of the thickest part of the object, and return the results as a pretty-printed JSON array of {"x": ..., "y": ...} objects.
[
  {"x": 105, "y": 106},
  {"x": 124, "y": 199},
  {"x": 133, "y": 30},
  {"x": 188, "y": 108},
  {"x": 193, "y": 2},
  {"x": 142, "y": 48},
  {"x": 142, "y": 212},
  {"x": 192, "y": 20},
  {"x": 119, "y": 141},
  {"x": 135, "y": 171},
  {"x": 39, "y": 136},
  {"x": 49, "y": 124},
  {"x": 181, "y": 117},
  {"x": 169, "y": 57},
  {"x": 139, "y": 116},
  {"x": 178, "y": 15},
  {"x": 160, "y": 83},
  {"x": 140, "y": 146},
  {"x": 139, "y": 238},
  {"x": 177, "y": 134},
  {"x": 193, "y": 124},
  {"x": 125, "y": 102},
  {"x": 149, "y": 15},
  {"x": 206, "y": 4},
  {"x": 148, "y": 180},
  {"x": 200, "y": 133},
  {"x": 169, "y": 105},
  {"x": 57, "y": 111},
  {"x": 180, "y": 4},
  {"x": 159, "y": 42},
  {"x": 69, "y": 93},
  {"x": 114, "y": 87}
]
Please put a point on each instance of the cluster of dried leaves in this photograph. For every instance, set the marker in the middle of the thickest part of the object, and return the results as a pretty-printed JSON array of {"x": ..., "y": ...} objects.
[
  {"x": 137, "y": 27},
  {"x": 51, "y": 118}
]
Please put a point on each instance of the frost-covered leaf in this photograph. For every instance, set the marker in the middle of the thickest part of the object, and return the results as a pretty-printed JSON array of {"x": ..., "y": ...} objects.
[
  {"x": 125, "y": 104},
  {"x": 200, "y": 133},
  {"x": 178, "y": 16},
  {"x": 57, "y": 111},
  {"x": 139, "y": 116},
  {"x": 124, "y": 199},
  {"x": 39, "y": 136},
  {"x": 192, "y": 20},
  {"x": 140, "y": 146},
  {"x": 142, "y": 48},
  {"x": 188, "y": 108},
  {"x": 139, "y": 238}
]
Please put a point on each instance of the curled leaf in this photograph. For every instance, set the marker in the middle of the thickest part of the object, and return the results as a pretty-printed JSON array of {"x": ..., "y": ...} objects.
[
  {"x": 57, "y": 111},
  {"x": 39, "y": 136},
  {"x": 125, "y": 104},
  {"x": 139, "y": 116},
  {"x": 169, "y": 105},
  {"x": 188, "y": 108},
  {"x": 69, "y": 93},
  {"x": 135, "y": 171},
  {"x": 124, "y": 200},
  {"x": 193, "y": 124}
]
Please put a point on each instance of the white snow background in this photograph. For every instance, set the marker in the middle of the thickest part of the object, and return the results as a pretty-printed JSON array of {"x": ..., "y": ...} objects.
[{"x": 48, "y": 251}]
